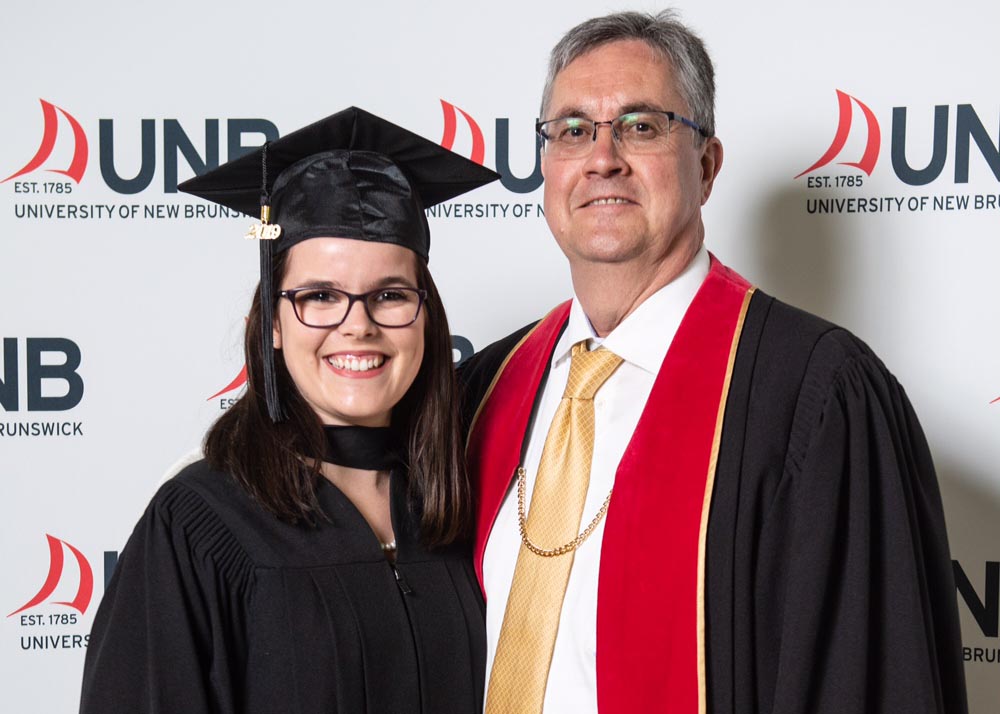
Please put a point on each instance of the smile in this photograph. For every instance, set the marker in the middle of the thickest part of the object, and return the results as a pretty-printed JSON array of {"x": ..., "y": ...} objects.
[
  {"x": 353, "y": 363},
  {"x": 607, "y": 201}
]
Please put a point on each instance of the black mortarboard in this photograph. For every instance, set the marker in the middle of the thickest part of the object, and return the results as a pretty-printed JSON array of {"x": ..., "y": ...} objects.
[{"x": 351, "y": 175}]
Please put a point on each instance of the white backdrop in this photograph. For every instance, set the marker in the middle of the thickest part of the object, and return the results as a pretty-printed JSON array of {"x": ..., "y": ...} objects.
[{"x": 154, "y": 305}]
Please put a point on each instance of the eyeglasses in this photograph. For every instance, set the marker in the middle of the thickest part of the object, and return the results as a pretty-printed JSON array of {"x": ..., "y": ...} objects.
[
  {"x": 635, "y": 132},
  {"x": 329, "y": 307}
]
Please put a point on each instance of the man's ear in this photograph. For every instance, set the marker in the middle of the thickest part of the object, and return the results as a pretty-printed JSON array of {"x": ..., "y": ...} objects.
[{"x": 711, "y": 164}]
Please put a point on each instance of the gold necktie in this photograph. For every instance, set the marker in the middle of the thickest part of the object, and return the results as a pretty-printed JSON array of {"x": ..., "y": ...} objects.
[{"x": 549, "y": 539}]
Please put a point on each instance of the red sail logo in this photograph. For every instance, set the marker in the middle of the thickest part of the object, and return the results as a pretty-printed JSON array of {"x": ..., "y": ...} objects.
[
  {"x": 451, "y": 128},
  {"x": 83, "y": 593},
  {"x": 238, "y": 381},
  {"x": 80, "y": 149},
  {"x": 870, "y": 156}
]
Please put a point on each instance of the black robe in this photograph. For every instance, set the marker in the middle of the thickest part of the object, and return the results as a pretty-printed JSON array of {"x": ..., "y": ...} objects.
[
  {"x": 217, "y": 606},
  {"x": 828, "y": 585}
]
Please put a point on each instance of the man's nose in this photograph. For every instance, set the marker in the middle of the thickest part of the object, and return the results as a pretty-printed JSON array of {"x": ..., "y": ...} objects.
[{"x": 606, "y": 157}]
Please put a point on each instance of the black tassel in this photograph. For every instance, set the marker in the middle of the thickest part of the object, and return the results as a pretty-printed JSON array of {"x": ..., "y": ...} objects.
[{"x": 274, "y": 409}]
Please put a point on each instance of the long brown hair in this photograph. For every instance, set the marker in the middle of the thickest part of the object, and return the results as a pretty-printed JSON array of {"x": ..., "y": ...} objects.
[{"x": 267, "y": 459}]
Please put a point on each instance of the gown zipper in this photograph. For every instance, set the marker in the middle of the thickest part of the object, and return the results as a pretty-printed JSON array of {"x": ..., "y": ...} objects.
[{"x": 403, "y": 586}]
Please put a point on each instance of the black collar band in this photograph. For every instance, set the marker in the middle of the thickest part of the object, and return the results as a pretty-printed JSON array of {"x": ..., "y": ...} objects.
[{"x": 362, "y": 447}]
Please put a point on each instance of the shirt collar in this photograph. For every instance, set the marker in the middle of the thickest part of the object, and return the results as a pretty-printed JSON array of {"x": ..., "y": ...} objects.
[{"x": 643, "y": 337}]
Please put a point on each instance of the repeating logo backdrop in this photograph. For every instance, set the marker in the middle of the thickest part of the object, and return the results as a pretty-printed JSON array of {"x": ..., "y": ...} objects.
[{"x": 861, "y": 181}]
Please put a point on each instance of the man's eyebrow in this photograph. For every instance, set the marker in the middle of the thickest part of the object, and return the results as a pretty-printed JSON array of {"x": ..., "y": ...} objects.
[
  {"x": 579, "y": 112},
  {"x": 640, "y": 107},
  {"x": 570, "y": 112}
]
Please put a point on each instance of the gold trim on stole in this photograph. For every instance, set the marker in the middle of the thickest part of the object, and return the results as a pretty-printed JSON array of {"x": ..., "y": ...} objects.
[
  {"x": 706, "y": 505},
  {"x": 500, "y": 370}
]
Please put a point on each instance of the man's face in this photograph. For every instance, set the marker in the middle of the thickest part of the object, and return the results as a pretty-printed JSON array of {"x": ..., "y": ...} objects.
[{"x": 654, "y": 211}]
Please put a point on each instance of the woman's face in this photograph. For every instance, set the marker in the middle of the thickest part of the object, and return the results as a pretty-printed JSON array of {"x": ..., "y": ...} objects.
[{"x": 333, "y": 367}]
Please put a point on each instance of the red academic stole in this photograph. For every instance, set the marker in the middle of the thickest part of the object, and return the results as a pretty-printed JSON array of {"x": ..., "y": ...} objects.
[{"x": 650, "y": 614}]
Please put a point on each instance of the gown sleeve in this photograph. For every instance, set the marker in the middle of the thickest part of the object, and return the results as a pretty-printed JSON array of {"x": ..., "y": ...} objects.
[
  {"x": 855, "y": 577},
  {"x": 168, "y": 636}
]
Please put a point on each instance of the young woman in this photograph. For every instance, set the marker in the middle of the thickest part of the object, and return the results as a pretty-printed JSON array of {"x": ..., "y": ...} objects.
[{"x": 315, "y": 560}]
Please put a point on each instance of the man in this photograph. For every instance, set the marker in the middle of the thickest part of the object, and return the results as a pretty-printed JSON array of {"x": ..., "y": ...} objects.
[{"x": 743, "y": 517}]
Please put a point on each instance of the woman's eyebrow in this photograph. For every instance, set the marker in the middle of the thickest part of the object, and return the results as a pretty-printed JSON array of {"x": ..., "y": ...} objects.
[
  {"x": 387, "y": 281},
  {"x": 398, "y": 280}
]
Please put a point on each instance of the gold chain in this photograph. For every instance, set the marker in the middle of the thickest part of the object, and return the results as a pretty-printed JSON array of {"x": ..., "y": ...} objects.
[{"x": 522, "y": 523}]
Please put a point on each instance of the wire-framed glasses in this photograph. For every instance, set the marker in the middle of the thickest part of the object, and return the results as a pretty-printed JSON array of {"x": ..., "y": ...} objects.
[
  {"x": 634, "y": 132},
  {"x": 328, "y": 307}
]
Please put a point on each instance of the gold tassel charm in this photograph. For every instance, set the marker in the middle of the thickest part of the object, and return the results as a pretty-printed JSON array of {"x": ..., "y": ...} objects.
[{"x": 264, "y": 230}]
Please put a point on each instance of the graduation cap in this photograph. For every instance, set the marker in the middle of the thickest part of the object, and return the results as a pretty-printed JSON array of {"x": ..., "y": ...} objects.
[{"x": 350, "y": 175}]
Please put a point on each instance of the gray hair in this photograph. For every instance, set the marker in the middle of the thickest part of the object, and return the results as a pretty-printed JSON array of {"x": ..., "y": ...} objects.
[{"x": 664, "y": 33}]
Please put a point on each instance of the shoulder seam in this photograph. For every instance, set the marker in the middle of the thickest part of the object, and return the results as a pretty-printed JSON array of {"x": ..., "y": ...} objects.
[
  {"x": 207, "y": 524},
  {"x": 794, "y": 459}
]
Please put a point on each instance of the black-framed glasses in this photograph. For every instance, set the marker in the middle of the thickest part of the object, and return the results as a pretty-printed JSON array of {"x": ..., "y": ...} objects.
[
  {"x": 634, "y": 132},
  {"x": 328, "y": 307}
]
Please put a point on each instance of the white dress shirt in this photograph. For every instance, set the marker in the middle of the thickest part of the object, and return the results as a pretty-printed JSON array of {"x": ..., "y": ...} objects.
[{"x": 642, "y": 341}]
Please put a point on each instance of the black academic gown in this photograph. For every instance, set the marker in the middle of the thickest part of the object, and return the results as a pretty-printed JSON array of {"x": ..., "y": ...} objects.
[
  {"x": 217, "y": 606},
  {"x": 828, "y": 581}
]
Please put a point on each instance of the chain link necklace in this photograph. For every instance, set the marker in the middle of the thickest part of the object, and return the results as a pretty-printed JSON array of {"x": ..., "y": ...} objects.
[{"x": 522, "y": 523}]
